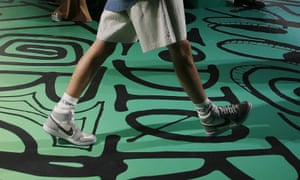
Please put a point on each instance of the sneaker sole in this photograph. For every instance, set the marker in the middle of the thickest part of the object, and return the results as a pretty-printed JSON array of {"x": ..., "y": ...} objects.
[{"x": 59, "y": 135}]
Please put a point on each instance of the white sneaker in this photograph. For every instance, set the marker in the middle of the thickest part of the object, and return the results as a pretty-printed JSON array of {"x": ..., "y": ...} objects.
[
  {"x": 61, "y": 123},
  {"x": 222, "y": 118}
]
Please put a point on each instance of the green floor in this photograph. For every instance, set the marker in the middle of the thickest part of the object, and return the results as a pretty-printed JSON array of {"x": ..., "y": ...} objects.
[{"x": 145, "y": 124}]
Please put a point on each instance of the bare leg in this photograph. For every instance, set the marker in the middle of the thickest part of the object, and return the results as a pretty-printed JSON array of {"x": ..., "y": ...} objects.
[
  {"x": 181, "y": 54},
  {"x": 61, "y": 121},
  {"x": 214, "y": 119},
  {"x": 88, "y": 66},
  {"x": 79, "y": 11},
  {"x": 63, "y": 9},
  {"x": 74, "y": 10}
]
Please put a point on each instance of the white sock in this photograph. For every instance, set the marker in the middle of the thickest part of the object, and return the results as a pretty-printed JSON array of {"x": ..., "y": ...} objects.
[
  {"x": 204, "y": 107},
  {"x": 67, "y": 102}
]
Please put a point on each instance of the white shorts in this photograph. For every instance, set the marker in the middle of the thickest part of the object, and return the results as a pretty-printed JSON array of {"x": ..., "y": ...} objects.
[{"x": 154, "y": 23}]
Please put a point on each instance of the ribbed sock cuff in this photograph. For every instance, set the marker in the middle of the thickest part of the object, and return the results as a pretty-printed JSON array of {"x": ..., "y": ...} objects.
[
  {"x": 67, "y": 101},
  {"x": 203, "y": 105},
  {"x": 204, "y": 108}
]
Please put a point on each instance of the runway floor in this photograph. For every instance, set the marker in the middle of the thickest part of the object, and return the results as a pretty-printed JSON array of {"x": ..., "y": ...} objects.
[{"x": 145, "y": 125}]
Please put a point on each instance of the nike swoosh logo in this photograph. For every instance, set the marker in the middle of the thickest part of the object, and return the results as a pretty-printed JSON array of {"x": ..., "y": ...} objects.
[{"x": 68, "y": 132}]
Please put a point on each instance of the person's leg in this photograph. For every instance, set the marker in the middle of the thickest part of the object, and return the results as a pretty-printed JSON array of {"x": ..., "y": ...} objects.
[
  {"x": 88, "y": 66},
  {"x": 62, "y": 11},
  {"x": 61, "y": 121},
  {"x": 167, "y": 19},
  {"x": 181, "y": 54},
  {"x": 215, "y": 119},
  {"x": 74, "y": 10},
  {"x": 79, "y": 11},
  {"x": 113, "y": 27}
]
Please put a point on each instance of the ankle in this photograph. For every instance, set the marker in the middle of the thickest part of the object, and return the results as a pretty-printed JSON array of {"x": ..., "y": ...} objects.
[
  {"x": 67, "y": 102},
  {"x": 204, "y": 107}
]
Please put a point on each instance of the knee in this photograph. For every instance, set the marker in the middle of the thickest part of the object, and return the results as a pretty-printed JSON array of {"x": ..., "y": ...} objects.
[
  {"x": 180, "y": 49},
  {"x": 102, "y": 48}
]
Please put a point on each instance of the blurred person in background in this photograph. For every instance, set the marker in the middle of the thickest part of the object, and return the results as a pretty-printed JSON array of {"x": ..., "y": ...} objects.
[{"x": 73, "y": 10}]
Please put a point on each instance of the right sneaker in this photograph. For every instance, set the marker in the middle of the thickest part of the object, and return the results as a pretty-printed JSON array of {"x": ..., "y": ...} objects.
[
  {"x": 219, "y": 119},
  {"x": 61, "y": 123}
]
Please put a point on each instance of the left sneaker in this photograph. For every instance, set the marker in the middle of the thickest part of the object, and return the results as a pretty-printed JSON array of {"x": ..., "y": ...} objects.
[{"x": 61, "y": 123}]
